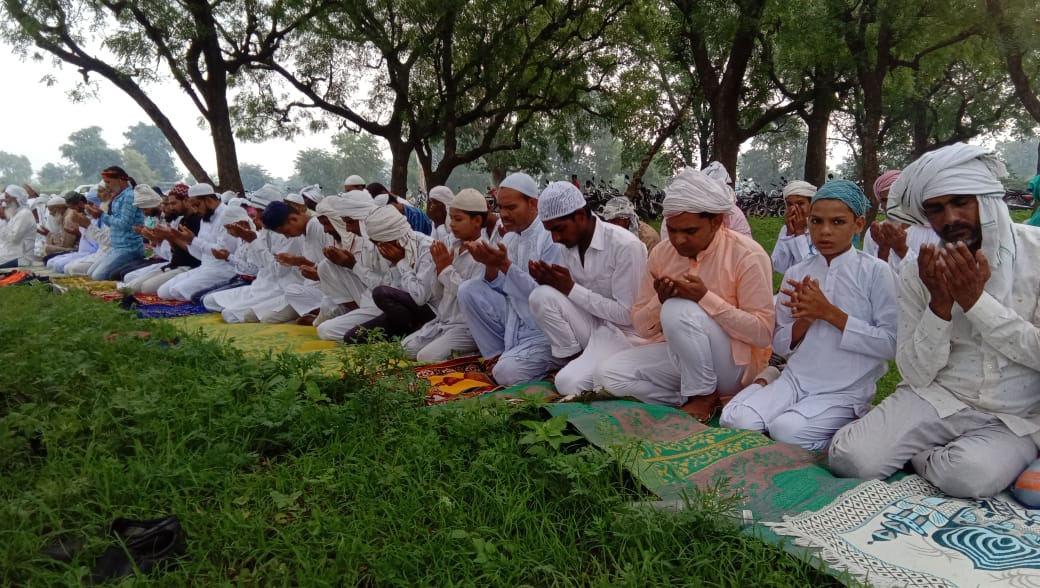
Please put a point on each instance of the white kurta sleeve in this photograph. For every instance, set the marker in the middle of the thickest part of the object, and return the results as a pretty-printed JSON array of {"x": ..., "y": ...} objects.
[
  {"x": 923, "y": 339},
  {"x": 1002, "y": 328},
  {"x": 872, "y": 331},
  {"x": 418, "y": 280},
  {"x": 625, "y": 281}
]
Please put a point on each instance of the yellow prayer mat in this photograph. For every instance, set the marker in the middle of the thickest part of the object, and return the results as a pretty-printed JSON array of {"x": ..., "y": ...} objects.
[{"x": 259, "y": 339}]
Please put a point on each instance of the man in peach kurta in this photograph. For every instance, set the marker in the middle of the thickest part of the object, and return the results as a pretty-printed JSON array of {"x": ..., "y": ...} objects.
[{"x": 705, "y": 307}]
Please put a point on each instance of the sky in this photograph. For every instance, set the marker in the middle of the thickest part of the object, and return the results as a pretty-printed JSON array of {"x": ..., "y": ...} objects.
[{"x": 38, "y": 119}]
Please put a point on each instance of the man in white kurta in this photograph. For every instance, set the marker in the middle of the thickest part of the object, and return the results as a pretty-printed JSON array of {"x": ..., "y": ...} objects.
[
  {"x": 896, "y": 239},
  {"x": 212, "y": 271},
  {"x": 448, "y": 333},
  {"x": 967, "y": 414},
  {"x": 848, "y": 299},
  {"x": 496, "y": 306},
  {"x": 437, "y": 209},
  {"x": 18, "y": 236},
  {"x": 793, "y": 244},
  {"x": 584, "y": 303}
]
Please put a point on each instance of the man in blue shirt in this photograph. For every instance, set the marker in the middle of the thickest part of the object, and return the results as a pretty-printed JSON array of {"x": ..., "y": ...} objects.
[{"x": 121, "y": 218}]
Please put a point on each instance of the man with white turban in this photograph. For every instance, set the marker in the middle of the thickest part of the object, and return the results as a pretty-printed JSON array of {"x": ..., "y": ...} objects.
[
  {"x": 437, "y": 210},
  {"x": 61, "y": 236},
  {"x": 312, "y": 196},
  {"x": 705, "y": 305},
  {"x": 18, "y": 236},
  {"x": 438, "y": 339},
  {"x": 895, "y": 240},
  {"x": 213, "y": 271},
  {"x": 967, "y": 414},
  {"x": 584, "y": 303},
  {"x": 793, "y": 244},
  {"x": 95, "y": 240},
  {"x": 407, "y": 293},
  {"x": 496, "y": 306},
  {"x": 620, "y": 211}
]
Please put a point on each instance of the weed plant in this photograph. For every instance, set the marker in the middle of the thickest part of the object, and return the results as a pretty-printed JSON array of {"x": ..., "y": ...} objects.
[{"x": 284, "y": 477}]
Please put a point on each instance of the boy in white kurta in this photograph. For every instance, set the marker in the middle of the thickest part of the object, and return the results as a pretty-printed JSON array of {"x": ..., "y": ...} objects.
[
  {"x": 584, "y": 303},
  {"x": 793, "y": 244},
  {"x": 836, "y": 320},
  {"x": 448, "y": 333}
]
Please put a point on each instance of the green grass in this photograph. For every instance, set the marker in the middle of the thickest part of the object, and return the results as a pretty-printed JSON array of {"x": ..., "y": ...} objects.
[{"x": 282, "y": 477}]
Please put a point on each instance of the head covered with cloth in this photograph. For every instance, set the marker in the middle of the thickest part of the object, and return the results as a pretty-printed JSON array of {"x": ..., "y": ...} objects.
[
  {"x": 620, "y": 208},
  {"x": 386, "y": 227},
  {"x": 693, "y": 206}
]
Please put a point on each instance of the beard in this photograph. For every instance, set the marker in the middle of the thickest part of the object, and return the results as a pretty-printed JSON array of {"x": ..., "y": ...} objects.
[
  {"x": 970, "y": 235},
  {"x": 10, "y": 210},
  {"x": 208, "y": 214}
]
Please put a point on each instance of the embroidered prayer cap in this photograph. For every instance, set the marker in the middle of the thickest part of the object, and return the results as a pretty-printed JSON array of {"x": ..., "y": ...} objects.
[
  {"x": 717, "y": 171},
  {"x": 18, "y": 193},
  {"x": 559, "y": 199},
  {"x": 692, "y": 191},
  {"x": 146, "y": 197},
  {"x": 522, "y": 183},
  {"x": 200, "y": 190},
  {"x": 848, "y": 192},
  {"x": 275, "y": 215},
  {"x": 470, "y": 200},
  {"x": 179, "y": 191},
  {"x": 799, "y": 188},
  {"x": 56, "y": 201},
  {"x": 884, "y": 182},
  {"x": 233, "y": 214},
  {"x": 387, "y": 224},
  {"x": 354, "y": 180},
  {"x": 442, "y": 194},
  {"x": 617, "y": 207}
]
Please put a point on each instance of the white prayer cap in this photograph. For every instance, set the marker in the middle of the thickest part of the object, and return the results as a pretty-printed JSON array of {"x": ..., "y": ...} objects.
[
  {"x": 381, "y": 200},
  {"x": 227, "y": 196},
  {"x": 692, "y": 191},
  {"x": 233, "y": 214},
  {"x": 559, "y": 199},
  {"x": 717, "y": 171},
  {"x": 799, "y": 188},
  {"x": 522, "y": 183},
  {"x": 265, "y": 195},
  {"x": 442, "y": 194},
  {"x": 354, "y": 180},
  {"x": 56, "y": 201},
  {"x": 387, "y": 224},
  {"x": 313, "y": 193},
  {"x": 358, "y": 204},
  {"x": 18, "y": 193},
  {"x": 956, "y": 169},
  {"x": 146, "y": 197},
  {"x": 239, "y": 202},
  {"x": 469, "y": 200},
  {"x": 199, "y": 190},
  {"x": 295, "y": 199}
]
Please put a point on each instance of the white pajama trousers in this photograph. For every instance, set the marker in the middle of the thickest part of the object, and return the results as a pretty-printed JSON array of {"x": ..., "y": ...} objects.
[
  {"x": 571, "y": 331},
  {"x": 696, "y": 360},
  {"x": 789, "y": 414},
  {"x": 184, "y": 286},
  {"x": 436, "y": 342}
]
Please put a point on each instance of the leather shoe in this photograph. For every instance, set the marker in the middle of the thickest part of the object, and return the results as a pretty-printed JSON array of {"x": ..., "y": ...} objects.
[
  {"x": 703, "y": 408},
  {"x": 143, "y": 546}
]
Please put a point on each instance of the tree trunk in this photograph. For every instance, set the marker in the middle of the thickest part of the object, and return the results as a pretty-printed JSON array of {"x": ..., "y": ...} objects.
[
  {"x": 726, "y": 140},
  {"x": 400, "y": 155},
  {"x": 224, "y": 147},
  {"x": 662, "y": 135},
  {"x": 815, "y": 170}
]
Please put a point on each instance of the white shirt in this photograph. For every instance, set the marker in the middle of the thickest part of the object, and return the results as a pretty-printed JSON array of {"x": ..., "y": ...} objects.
[
  {"x": 790, "y": 249},
  {"x": 463, "y": 267},
  {"x": 18, "y": 237},
  {"x": 532, "y": 244},
  {"x": 915, "y": 237},
  {"x": 212, "y": 235},
  {"x": 607, "y": 283},
  {"x": 417, "y": 277},
  {"x": 849, "y": 362},
  {"x": 987, "y": 358}
]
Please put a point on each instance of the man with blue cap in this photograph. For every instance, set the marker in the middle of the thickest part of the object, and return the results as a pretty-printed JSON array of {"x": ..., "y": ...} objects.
[
  {"x": 837, "y": 308},
  {"x": 584, "y": 303},
  {"x": 496, "y": 306}
]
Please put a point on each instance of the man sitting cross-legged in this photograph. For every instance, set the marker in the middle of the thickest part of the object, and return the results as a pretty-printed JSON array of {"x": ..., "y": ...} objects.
[
  {"x": 495, "y": 305},
  {"x": 439, "y": 338},
  {"x": 705, "y": 303},
  {"x": 584, "y": 303},
  {"x": 967, "y": 414},
  {"x": 838, "y": 309}
]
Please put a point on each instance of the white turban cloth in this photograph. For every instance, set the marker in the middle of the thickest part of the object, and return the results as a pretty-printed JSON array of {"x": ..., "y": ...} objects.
[
  {"x": 265, "y": 195},
  {"x": 387, "y": 224},
  {"x": 335, "y": 208},
  {"x": 799, "y": 188},
  {"x": 442, "y": 194},
  {"x": 559, "y": 199},
  {"x": 381, "y": 200},
  {"x": 359, "y": 204},
  {"x": 146, "y": 197},
  {"x": 313, "y": 193},
  {"x": 18, "y": 193},
  {"x": 56, "y": 201},
  {"x": 618, "y": 207},
  {"x": 717, "y": 171},
  {"x": 234, "y": 214},
  {"x": 967, "y": 170},
  {"x": 692, "y": 191}
]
